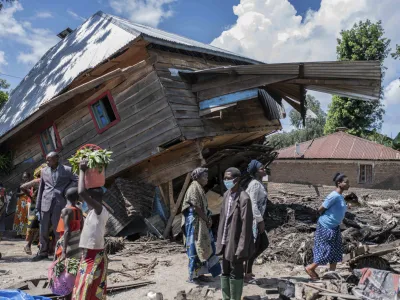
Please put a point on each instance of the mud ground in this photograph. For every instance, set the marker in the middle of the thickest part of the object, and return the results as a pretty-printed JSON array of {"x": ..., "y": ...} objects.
[{"x": 168, "y": 271}]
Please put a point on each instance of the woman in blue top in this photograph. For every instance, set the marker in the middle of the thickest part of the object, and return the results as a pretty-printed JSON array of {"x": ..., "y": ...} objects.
[{"x": 328, "y": 238}]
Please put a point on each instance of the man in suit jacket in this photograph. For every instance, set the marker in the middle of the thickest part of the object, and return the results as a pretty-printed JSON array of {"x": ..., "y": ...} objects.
[
  {"x": 235, "y": 240},
  {"x": 54, "y": 181}
]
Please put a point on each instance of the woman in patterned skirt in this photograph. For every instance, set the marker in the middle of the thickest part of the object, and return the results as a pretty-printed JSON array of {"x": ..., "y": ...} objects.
[
  {"x": 23, "y": 205},
  {"x": 91, "y": 280},
  {"x": 328, "y": 247}
]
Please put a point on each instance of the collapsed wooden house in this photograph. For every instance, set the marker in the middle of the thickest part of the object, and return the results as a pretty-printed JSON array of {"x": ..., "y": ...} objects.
[{"x": 164, "y": 104}]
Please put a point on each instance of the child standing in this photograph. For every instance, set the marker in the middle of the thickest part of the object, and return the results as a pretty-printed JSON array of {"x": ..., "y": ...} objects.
[
  {"x": 91, "y": 280},
  {"x": 69, "y": 227}
]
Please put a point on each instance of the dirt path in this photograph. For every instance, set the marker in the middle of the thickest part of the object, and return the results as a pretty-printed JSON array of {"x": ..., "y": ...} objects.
[{"x": 169, "y": 272}]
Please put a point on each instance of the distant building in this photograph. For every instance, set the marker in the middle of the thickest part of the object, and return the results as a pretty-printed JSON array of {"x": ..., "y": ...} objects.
[{"x": 368, "y": 164}]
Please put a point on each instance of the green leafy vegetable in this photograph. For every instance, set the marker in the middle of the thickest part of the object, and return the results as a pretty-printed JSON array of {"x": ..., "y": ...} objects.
[{"x": 97, "y": 158}]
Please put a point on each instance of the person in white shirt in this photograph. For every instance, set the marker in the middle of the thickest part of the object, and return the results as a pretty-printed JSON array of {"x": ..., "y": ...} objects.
[
  {"x": 92, "y": 273},
  {"x": 258, "y": 196}
]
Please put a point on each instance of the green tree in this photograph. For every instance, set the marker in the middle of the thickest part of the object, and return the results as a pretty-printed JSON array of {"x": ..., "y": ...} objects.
[
  {"x": 365, "y": 41},
  {"x": 3, "y": 94},
  {"x": 396, "y": 54},
  {"x": 314, "y": 126},
  {"x": 2, "y": 2}
]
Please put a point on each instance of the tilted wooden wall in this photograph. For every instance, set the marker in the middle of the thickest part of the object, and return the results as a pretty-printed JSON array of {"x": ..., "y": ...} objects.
[{"x": 147, "y": 121}]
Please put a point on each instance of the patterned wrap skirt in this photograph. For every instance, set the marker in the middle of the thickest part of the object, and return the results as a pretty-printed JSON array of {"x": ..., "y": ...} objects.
[
  {"x": 328, "y": 247},
  {"x": 196, "y": 267},
  {"x": 91, "y": 280}
]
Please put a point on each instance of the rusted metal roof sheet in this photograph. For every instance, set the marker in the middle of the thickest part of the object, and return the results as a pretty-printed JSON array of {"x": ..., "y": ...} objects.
[
  {"x": 97, "y": 39},
  {"x": 340, "y": 145}
]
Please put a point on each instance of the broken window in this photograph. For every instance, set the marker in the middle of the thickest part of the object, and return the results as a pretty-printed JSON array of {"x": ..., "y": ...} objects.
[
  {"x": 104, "y": 112},
  {"x": 365, "y": 174},
  {"x": 49, "y": 140}
]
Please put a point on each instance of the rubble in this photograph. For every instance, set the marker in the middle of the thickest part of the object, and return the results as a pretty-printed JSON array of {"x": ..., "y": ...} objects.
[{"x": 291, "y": 223}]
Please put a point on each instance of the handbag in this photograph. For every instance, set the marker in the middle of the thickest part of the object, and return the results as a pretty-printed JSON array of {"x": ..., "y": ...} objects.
[
  {"x": 262, "y": 242},
  {"x": 63, "y": 284}
]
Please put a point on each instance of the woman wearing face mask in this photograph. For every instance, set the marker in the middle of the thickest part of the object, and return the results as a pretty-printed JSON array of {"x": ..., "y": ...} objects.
[
  {"x": 328, "y": 238},
  {"x": 235, "y": 235},
  {"x": 196, "y": 223},
  {"x": 258, "y": 196}
]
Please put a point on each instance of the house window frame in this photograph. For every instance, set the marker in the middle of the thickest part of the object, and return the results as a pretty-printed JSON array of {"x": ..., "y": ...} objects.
[
  {"x": 113, "y": 107},
  {"x": 360, "y": 165},
  {"x": 57, "y": 135}
]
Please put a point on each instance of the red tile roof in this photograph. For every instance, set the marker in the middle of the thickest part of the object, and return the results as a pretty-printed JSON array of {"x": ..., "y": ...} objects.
[{"x": 340, "y": 145}]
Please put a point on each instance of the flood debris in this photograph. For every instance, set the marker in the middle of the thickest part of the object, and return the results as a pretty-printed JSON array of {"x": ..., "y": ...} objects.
[{"x": 367, "y": 231}]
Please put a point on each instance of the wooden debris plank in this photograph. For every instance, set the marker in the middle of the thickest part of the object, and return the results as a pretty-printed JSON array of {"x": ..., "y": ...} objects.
[
  {"x": 220, "y": 81},
  {"x": 134, "y": 155},
  {"x": 331, "y": 292},
  {"x": 243, "y": 85},
  {"x": 175, "y": 208}
]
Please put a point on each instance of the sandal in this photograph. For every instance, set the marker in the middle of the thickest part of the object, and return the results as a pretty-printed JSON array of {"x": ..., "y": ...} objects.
[
  {"x": 313, "y": 275},
  {"x": 28, "y": 250}
]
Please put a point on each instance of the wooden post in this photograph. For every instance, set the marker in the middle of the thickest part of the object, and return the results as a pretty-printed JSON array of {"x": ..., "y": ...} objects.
[
  {"x": 171, "y": 196},
  {"x": 175, "y": 208}
]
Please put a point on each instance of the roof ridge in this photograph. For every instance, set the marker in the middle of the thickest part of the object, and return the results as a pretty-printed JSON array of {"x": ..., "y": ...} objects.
[
  {"x": 371, "y": 142},
  {"x": 321, "y": 137}
]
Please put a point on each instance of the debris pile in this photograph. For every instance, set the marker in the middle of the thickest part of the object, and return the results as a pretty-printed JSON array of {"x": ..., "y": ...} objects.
[{"x": 291, "y": 223}]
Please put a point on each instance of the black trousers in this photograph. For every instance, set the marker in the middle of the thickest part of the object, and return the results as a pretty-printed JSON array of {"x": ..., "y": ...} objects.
[{"x": 233, "y": 270}]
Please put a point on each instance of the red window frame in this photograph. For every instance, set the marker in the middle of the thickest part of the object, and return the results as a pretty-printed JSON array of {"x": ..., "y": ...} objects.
[
  {"x": 114, "y": 108},
  {"x": 58, "y": 139}
]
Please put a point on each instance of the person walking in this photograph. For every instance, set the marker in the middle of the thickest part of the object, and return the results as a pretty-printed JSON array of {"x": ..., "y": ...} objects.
[
  {"x": 196, "y": 223},
  {"x": 91, "y": 281},
  {"x": 328, "y": 248},
  {"x": 235, "y": 235},
  {"x": 54, "y": 181},
  {"x": 22, "y": 210},
  {"x": 258, "y": 196}
]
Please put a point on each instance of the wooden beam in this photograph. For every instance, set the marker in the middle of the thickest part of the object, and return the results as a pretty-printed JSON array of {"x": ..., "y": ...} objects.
[
  {"x": 243, "y": 85},
  {"x": 221, "y": 80},
  {"x": 351, "y": 82},
  {"x": 176, "y": 206},
  {"x": 171, "y": 195}
]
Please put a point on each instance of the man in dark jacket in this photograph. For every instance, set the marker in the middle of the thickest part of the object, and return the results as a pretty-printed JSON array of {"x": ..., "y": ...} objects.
[
  {"x": 235, "y": 236},
  {"x": 54, "y": 181}
]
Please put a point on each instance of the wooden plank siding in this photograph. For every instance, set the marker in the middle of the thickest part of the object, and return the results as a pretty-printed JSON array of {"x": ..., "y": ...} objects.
[
  {"x": 147, "y": 122},
  {"x": 246, "y": 117}
]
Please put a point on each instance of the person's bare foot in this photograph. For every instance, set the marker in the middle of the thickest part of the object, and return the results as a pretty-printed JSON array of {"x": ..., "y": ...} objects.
[
  {"x": 313, "y": 275},
  {"x": 28, "y": 250}
]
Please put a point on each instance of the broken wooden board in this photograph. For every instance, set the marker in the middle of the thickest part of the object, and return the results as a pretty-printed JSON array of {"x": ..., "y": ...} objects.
[{"x": 373, "y": 250}]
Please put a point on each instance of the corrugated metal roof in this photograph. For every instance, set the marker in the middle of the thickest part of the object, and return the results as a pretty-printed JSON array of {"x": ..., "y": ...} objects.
[
  {"x": 340, "y": 145},
  {"x": 93, "y": 42}
]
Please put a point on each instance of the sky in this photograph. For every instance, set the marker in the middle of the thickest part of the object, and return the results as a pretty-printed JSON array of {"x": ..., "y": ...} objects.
[{"x": 266, "y": 30}]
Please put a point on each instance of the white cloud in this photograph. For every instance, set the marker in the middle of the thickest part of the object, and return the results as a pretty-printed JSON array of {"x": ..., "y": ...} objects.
[
  {"x": 271, "y": 31},
  {"x": 75, "y": 15},
  {"x": 2, "y": 58},
  {"x": 37, "y": 40},
  {"x": 147, "y": 12},
  {"x": 43, "y": 15},
  {"x": 392, "y": 93}
]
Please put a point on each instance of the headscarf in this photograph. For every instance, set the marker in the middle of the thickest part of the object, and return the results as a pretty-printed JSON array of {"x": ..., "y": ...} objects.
[
  {"x": 253, "y": 167},
  {"x": 196, "y": 174}
]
